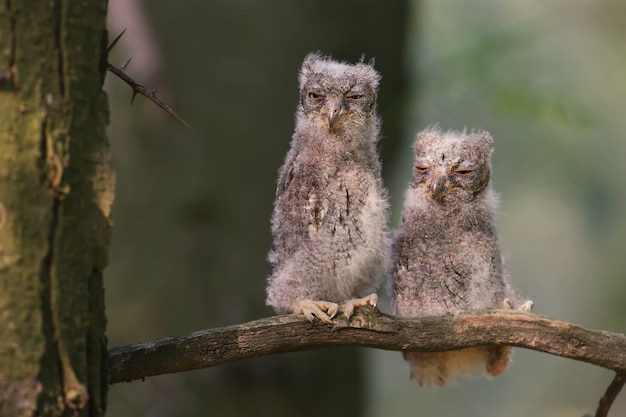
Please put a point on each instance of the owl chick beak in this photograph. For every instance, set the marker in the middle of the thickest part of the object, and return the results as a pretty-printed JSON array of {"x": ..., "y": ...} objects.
[
  {"x": 437, "y": 187},
  {"x": 335, "y": 111}
]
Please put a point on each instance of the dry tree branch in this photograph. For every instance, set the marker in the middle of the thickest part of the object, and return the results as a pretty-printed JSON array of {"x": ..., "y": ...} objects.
[
  {"x": 290, "y": 333},
  {"x": 611, "y": 393},
  {"x": 137, "y": 87}
]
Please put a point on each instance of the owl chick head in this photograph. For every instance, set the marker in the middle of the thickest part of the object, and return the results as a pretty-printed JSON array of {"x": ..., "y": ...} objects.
[
  {"x": 337, "y": 95},
  {"x": 451, "y": 166}
]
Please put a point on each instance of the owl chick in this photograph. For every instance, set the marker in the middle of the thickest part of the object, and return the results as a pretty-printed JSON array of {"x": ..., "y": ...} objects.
[
  {"x": 331, "y": 242},
  {"x": 446, "y": 256}
]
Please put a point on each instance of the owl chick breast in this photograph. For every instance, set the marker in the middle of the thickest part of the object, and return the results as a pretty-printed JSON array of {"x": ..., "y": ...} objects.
[{"x": 330, "y": 215}]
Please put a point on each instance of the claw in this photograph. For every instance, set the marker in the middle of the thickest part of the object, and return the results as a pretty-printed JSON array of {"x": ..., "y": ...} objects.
[
  {"x": 332, "y": 309},
  {"x": 323, "y": 310},
  {"x": 372, "y": 299},
  {"x": 527, "y": 306},
  {"x": 347, "y": 308}
]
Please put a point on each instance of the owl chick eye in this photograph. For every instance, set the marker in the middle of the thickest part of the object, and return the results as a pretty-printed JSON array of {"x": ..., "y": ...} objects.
[
  {"x": 422, "y": 169},
  {"x": 354, "y": 97},
  {"x": 315, "y": 96},
  {"x": 463, "y": 172}
]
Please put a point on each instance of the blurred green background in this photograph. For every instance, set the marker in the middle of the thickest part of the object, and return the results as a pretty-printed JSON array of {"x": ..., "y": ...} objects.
[{"x": 546, "y": 79}]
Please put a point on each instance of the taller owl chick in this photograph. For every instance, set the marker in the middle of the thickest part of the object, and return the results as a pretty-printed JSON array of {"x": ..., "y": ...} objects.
[
  {"x": 446, "y": 255},
  {"x": 331, "y": 243}
]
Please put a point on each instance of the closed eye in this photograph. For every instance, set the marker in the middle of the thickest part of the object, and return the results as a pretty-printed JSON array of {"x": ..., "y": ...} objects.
[
  {"x": 354, "y": 97},
  {"x": 463, "y": 171},
  {"x": 422, "y": 169}
]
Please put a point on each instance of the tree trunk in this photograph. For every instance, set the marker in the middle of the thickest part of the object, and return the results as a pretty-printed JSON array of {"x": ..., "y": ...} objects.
[{"x": 56, "y": 190}]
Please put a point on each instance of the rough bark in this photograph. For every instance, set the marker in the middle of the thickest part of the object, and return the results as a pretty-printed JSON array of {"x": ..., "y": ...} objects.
[
  {"x": 291, "y": 333},
  {"x": 55, "y": 197}
]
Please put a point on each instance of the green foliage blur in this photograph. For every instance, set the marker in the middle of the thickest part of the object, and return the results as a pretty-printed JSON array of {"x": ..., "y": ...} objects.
[{"x": 546, "y": 79}]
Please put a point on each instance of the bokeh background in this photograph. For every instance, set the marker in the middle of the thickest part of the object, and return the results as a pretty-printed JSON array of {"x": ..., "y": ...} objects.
[{"x": 547, "y": 79}]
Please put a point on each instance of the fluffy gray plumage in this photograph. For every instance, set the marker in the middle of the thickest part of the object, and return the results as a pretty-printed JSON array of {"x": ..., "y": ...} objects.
[
  {"x": 446, "y": 255},
  {"x": 331, "y": 241}
]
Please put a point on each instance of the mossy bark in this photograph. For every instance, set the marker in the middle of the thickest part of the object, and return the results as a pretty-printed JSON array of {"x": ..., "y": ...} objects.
[{"x": 56, "y": 190}]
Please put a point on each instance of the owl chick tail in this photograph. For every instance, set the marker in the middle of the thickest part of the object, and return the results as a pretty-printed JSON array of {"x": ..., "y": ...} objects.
[{"x": 438, "y": 369}]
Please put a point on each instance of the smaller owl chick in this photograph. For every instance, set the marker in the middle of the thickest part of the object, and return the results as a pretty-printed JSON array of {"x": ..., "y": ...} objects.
[
  {"x": 446, "y": 255},
  {"x": 331, "y": 243}
]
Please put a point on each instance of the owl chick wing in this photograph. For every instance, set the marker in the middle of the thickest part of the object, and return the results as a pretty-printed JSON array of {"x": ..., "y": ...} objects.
[
  {"x": 306, "y": 190},
  {"x": 287, "y": 172}
]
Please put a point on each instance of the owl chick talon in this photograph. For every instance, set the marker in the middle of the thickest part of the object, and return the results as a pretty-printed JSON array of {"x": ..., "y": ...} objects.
[
  {"x": 372, "y": 300},
  {"x": 527, "y": 306},
  {"x": 347, "y": 308},
  {"x": 323, "y": 310},
  {"x": 332, "y": 309}
]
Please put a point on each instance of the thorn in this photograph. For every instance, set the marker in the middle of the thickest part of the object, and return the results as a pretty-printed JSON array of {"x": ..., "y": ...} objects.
[
  {"x": 125, "y": 64},
  {"x": 132, "y": 99},
  {"x": 115, "y": 41},
  {"x": 149, "y": 94}
]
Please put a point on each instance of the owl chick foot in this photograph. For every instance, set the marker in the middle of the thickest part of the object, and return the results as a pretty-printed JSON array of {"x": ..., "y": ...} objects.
[
  {"x": 323, "y": 310},
  {"x": 347, "y": 307},
  {"x": 526, "y": 307}
]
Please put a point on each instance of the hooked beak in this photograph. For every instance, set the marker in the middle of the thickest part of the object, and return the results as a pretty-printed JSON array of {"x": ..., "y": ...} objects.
[
  {"x": 335, "y": 111},
  {"x": 437, "y": 187}
]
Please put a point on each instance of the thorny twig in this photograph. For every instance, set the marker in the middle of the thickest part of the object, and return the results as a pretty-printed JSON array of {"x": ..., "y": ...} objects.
[{"x": 137, "y": 87}]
